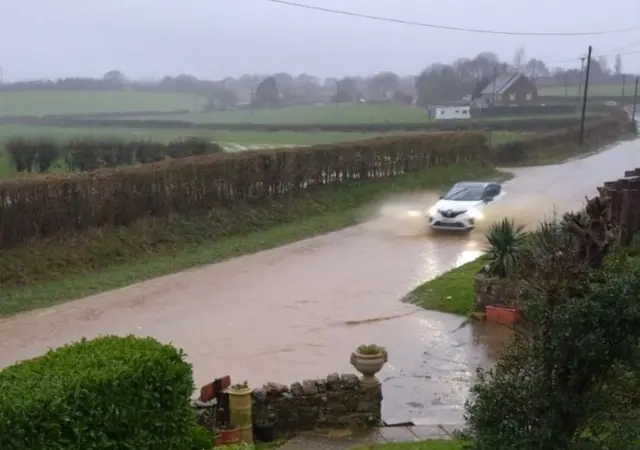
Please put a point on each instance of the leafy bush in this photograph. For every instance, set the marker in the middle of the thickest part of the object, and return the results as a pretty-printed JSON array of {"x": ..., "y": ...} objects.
[
  {"x": 107, "y": 393},
  {"x": 90, "y": 153},
  {"x": 570, "y": 379},
  {"x": 506, "y": 242},
  {"x": 46, "y": 154},
  {"x": 21, "y": 154},
  {"x": 27, "y": 156},
  {"x": 80, "y": 155}
]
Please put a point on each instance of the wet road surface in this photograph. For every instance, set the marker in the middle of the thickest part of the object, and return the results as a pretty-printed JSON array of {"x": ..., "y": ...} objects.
[{"x": 298, "y": 311}]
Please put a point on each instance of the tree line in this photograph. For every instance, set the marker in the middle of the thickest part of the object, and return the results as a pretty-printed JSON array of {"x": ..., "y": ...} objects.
[{"x": 437, "y": 82}]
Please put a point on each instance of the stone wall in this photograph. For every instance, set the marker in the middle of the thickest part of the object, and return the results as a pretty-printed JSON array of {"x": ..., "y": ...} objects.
[{"x": 337, "y": 401}]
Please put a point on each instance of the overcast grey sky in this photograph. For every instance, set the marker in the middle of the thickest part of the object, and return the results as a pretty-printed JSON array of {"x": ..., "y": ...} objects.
[{"x": 218, "y": 38}]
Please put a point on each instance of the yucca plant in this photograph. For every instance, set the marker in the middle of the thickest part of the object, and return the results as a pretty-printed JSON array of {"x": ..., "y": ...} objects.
[{"x": 506, "y": 242}]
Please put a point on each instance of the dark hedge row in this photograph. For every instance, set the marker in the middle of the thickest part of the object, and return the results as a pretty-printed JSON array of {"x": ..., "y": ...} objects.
[
  {"x": 40, "y": 206},
  {"x": 41, "y": 154},
  {"x": 531, "y": 124}
]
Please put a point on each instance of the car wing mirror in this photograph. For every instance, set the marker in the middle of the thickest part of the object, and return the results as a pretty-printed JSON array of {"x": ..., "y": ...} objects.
[
  {"x": 441, "y": 197},
  {"x": 487, "y": 199}
]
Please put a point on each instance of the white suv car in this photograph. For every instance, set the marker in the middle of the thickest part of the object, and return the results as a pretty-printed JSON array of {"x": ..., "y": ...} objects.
[{"x": 462, "y": 206}]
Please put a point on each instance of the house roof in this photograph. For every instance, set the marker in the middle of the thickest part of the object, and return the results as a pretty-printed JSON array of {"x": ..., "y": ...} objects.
[
  {"x": 450, "y": 103},
  {"x": 479, "y": 87},
  {"x": 501, "y": 83}
]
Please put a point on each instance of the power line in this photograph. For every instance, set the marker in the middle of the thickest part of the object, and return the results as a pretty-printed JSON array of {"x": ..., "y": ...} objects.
[
  {"x": 446, "y": 27},
  {"x": 618, "y": 49},
  {"x": 578, "y": 58}
]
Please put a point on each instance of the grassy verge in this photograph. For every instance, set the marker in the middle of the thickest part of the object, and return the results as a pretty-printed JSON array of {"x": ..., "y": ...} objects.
[
  {"x": 47, "y": 272},
  {"x": 432, "y": 444},
  {"x": 451, "y": 292}
]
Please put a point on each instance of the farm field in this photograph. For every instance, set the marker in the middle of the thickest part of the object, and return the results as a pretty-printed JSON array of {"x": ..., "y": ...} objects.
[
  {"x": 341, "y": 114},
  {"x": 345, "y": 113},
  {"x": 88, "y": 102},
  {"x": 594, "y": 90}
]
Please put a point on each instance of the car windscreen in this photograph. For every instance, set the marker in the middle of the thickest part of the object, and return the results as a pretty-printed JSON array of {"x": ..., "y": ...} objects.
[{"x": 465, "y": 193}]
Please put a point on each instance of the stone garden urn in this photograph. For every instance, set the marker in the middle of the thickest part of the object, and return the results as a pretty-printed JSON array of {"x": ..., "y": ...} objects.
[{"x": 368, "y": 360}]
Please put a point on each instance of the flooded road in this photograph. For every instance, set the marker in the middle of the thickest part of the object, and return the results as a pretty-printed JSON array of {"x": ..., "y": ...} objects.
[{"x": 298, "y": 311}]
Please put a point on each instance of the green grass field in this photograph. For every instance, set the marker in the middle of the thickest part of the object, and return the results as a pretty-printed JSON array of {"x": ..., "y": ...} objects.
[
  {"x": 346, "y": 113},
  {"x": 595, "y": 91},
  {"x": 43, "y": 103},
  {"x": 165, "y": 135},
  {"x": 342, "y": 114}
]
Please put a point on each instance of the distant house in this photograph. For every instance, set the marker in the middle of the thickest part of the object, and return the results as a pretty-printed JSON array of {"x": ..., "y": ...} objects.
[{"x": 507, "y": 89}]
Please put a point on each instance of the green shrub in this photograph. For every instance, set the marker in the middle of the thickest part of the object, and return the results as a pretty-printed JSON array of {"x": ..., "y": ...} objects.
[
  {"x": 107, "y": 393},
  {"x": 27, "y": 155},
  {"x": 22, "y": 154},
  {"x": 505, "y": 243},
  {"x": 570, "y": 379}
]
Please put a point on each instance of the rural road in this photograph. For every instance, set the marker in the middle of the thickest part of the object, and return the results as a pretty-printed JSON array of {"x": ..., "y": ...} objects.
[{"x": 298, "y": 311}]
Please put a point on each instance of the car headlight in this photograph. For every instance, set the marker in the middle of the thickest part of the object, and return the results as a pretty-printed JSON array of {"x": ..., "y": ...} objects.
[
  {"x": 475, "y": 214},
  {"x": 432, "y": 211}
]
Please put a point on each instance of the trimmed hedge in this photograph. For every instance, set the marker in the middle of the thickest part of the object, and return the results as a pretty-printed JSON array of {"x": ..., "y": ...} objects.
[
  {"x": 531, "y": 124},
  {"x": 107, "y": 393},
  {"x": 41, "y": 206}
]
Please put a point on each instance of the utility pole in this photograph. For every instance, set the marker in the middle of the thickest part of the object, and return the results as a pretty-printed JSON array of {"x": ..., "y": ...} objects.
[
  {"x": 635, "y": 99},
  {"x": 581, "y": 76},
  {"x": 624, "y": 80},
  {"x": 566, "y": 85},
  {"x": 253, "y": 100},
  {"x": 584, "y": 100},
  {"x": 495, "y": 78}
]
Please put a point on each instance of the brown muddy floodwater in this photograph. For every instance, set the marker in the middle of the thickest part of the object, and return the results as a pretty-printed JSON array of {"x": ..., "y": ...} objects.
[{"x": 298, "y": 311}]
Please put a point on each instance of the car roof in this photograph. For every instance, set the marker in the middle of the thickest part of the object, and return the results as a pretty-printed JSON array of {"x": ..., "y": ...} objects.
[{"x": 472, "y": 184}]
